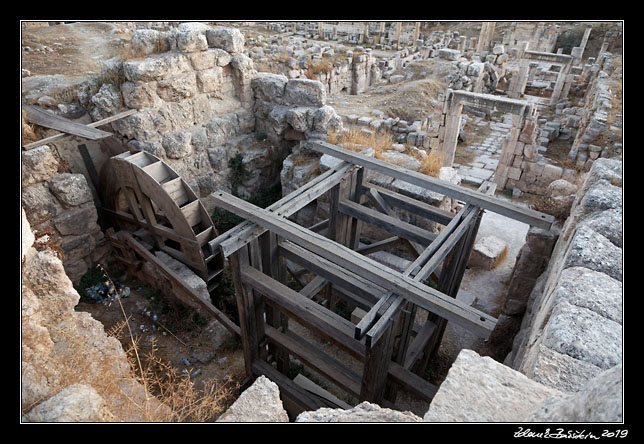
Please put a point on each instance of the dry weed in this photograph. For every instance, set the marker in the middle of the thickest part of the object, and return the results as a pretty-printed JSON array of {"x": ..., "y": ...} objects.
[
  {"x": 355, "y": 139},
  {"x": 432, "y": 164}
]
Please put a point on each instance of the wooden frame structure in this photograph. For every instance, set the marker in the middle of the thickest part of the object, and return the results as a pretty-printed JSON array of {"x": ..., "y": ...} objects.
[{"x": 392, "y": 348}]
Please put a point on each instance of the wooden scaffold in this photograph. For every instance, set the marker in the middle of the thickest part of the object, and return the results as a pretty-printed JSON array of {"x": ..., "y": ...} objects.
[{"x": 390, "y": 344}]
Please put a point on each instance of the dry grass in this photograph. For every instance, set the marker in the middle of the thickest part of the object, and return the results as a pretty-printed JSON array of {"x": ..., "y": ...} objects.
[
  {"x": 168, "y": 396},
  {"x": 355, "y": 139},
  {"x": 432, "y": 164}
]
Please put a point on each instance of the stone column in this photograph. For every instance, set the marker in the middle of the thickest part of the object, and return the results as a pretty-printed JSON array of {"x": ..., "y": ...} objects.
[
  {"x": 416, "y": 31},
  {"x": 561, "y": 78},
  {"x": 321, "y": 30},
  {"x": 398, "y": 27},
  {"x": 452, "y": 126}
]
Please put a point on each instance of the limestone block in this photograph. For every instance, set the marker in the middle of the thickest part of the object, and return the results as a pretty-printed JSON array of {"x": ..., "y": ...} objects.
[
  {"x": 561, "y": 187},
  {"x": 209, "y": 80},
  {"x": 145, "y": 41},
  {"x": 592, "y": 250},
  {"x": 558, "y": 370},
  {"x": 488, "y": 252},
  {"x": 449, "y": 54},
  {"x": 590, "y": 289},
  {"x": 71, "y": 189},
  {"x": 39, "y": 202},
  {"x": 552, "y": 172},
  {"x": 105, "y": 103},
  {"x": 140, "y": 95},
  {"x": 156, "y": 67},
  {"x": 600, "y": 401},
  {"x": 363, "y": 412},
  {"x": 608, "y": 223},
  {"x": 191, "y": 41},
  {"x": 601, "y": 195},
  {"x": 480, "y": 389},
  {"x": 269, "y": 87},
  {"x": 222, "y": 58},
  {"x": 73, "y": 404},
  {"x": 264, "y": 393},
  {"x": 230, "y": 40},
  {"x": 514, "y": 173},
  {"x": 177, "y": 144},
  {"x": 179, "y": 87},
  {"x": 39, "y": 164},
  {"x": 304, "y": 92},
  {"x": 78, "y": 220},
  {"x": 584, "y": 335},
  {"x": 203, "y": 59},
  {"x": 26, "y": 236}
]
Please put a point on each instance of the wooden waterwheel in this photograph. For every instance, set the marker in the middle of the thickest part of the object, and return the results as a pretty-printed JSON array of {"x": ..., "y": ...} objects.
[{"x": 139, "y": 190}]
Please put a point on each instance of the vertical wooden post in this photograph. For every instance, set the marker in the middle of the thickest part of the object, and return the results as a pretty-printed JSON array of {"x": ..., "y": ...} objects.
[
  {"x": 246, "y": 307},
  {"x": 274, "y": 266},
  {"x": 376, "y": 367},
  {"x": 449, "y": 282}
]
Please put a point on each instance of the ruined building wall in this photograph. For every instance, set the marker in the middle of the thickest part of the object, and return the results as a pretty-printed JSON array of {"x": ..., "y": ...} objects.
[{"x": 572, "y": 327}]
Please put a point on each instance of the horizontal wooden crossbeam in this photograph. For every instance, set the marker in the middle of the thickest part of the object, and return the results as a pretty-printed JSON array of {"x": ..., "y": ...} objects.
[
  {"x": 430, "y": 299},
  {"x": 526, "y": 215}
]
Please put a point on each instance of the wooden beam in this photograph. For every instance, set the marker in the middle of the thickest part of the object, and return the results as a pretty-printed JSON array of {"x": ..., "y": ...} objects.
[
  {"x": 177, "y": 282},
  {"x": 48, "y": 119},
  {"x": 490, "y": 203},
  {"x": 391, "y": 224},
  {"x": 321, "y": 362},
  {"x": 412, "y": 205},
  {"x": 307, "y": 312},
  {"x": 379, "y": 245},
  {"x": 462, "y": 314},
  {"x": 96, "y": 124},
  {"x": 337, "y": 275},
  {"x": 243, "y": 233}
]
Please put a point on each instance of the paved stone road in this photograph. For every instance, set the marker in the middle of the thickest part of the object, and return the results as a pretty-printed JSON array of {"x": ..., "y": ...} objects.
[{"x": 486, "y": 152}]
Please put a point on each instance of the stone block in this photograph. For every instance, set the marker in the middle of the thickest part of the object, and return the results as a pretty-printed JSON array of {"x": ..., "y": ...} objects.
[
  {"x": 177, "y": 144},
  {"x": 560, "y": 371},
  {"x": 304, "y": 92},
  {"x": 180, "y": 87},
  {"x": 140, "y": 95},
  {"x": 584, "y": 335},
  {"x": 71, "y": 189},
  {"x": 601, "y": 401},
  {"x": 209, "y": 80},
  {"x": 269, "y": 87},
  {"x": 480, "y": 389},
  {"x": 552, "y": 172},
  {"x": 39, "y": 164},
  {"x": 78, "y": 220},
  {"x": 449, "y": 54},
  {"x": 514, "y": 173},
  {"x": 363, "y": 412},
  {"x": 591, "y": 249},
  {"x": 230, "y": 40},
  {"x": 488, "y": 252},
  {"x": 191, "y": 41},
  {"x": 264, "y": 393},
  {"x": 145, "y": 41}
]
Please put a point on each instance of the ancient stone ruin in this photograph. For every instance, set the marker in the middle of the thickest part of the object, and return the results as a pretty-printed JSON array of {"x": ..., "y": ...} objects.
[{"x": 322, "y": 222}]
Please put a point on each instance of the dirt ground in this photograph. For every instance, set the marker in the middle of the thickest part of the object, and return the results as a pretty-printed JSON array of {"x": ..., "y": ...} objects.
[{"x": 172, "y": 333}]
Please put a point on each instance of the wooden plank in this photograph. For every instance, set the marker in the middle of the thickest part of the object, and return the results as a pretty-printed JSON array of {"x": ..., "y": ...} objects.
[
  {"x": 462, "y": 314},
  {"x": 313, "y": 357},
  {"x": 336, "y": 275},
  {"x": 96, "y": 124},
  {"x": 418, "y": 344},
  {"x": 380, "y": 245},
  {"x": 391, "y": 224},
  {"x": 287, "y": 206},
  {"x": 313, "y": 287},
  {"x": 310, "y": 314},
  {"x": 490, "y": 203},
  {"x": 412, "y": 205},
  {"x": 177, "y": 282},
  {"x": 295, "y": 398},
  {"x": 316, "y": 390},
  {"x": 48, "y": 119},
  {"x": 414, "y": 383},
  {"x": 376, "y": 367}
]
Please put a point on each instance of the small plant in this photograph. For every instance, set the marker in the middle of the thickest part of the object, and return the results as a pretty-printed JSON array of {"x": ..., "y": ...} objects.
[{"x": 238, "y": 172}]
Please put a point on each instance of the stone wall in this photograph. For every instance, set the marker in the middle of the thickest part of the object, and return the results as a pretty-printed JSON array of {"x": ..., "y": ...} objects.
[
  {"x": 572, "y": 327},
  {"x": 71, "y": 370},
  {"x": 60, "y": 207},
  {"x": 191, "y": 86}
]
